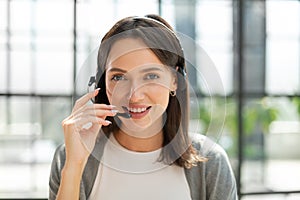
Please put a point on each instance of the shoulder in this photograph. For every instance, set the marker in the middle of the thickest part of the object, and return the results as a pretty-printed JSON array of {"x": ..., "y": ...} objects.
[
  {"x": 207, "y": 147},
  {"x": 59, "y": 157},
  {"x": 216, "y": 174},
  {"x": 217, "y": 158}
]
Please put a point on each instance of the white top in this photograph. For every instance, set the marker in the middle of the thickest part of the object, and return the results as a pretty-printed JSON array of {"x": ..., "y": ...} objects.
[{"x": 125, "y": 174}]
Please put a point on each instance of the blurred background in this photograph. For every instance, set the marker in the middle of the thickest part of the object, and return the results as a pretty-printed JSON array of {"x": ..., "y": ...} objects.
[{"x": 254, "y": 45}]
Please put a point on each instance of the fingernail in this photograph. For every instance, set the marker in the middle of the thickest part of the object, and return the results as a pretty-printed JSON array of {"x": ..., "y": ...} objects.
[
  {"x": 112, "y": 106},
  {"x": 107, "y": 121},
  {"x": 97, "y": 91},
  {"x": 114, "y": 111}
]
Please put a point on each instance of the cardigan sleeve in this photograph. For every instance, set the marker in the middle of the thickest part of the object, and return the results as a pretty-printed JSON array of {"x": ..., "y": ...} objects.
[
  {"x": 214, "y": 178},
  {"x": 220, "y": 180},
  {"x": 89, "y": 173},
  {"x": 55, "y": 173},
  {"x": 58, "y": 163}
]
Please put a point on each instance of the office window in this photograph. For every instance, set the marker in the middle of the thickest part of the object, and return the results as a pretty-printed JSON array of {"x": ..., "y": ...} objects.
[
  {"x": 3, "y": 40},
  {"x": 38, "y": 63},
  {"x": 37, "y": 52},
  {"x": 3, "y": 69},
  {"x": 271, "y": 128},
  {"x": 216, "y": 42},
  {"x": 282, "y": 47}
]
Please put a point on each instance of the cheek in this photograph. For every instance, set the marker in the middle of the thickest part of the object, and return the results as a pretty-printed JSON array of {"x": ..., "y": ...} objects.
[
  {"x": 113, "y": 92},
  {"x": 108, "y": 94},
  {"x": 116, "y": 98},
  {"x": 160, "y": 95}
]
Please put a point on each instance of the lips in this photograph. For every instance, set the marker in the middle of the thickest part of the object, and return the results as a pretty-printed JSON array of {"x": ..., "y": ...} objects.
[{"x": 138, "y": 111}]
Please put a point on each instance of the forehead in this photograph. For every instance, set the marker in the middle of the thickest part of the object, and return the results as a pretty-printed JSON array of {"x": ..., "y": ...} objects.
[{"x": 130, "y": 53}]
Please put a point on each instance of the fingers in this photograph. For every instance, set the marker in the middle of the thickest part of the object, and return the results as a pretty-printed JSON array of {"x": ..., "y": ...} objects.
[
  {"x": 85, "y": 98},
  {"x": 78, "y": 123},
  {"x": 100, "y": 110},
  {"x": 85, "y": 116},
  {"x": 91, "y": 115},
  {"x": 87, "y": 122}
]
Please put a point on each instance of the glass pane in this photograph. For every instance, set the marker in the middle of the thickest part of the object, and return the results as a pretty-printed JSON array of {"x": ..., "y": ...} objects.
[
  {"x": 87, "y": 66},
  {"x": 20, "y": 111},
  {"x": 3, "y": 15},
  {"x": 279, "y": 60},
  {"x": 13, "y": 182},
  {"x": 229, "y": 137},
  {"x": 272, "y": 138},
  {"x": 21, "y": 16},
  {"x": 40, "y": 61},
  {"x": 3, "y": 114},
  {"x": 88, "y": 15},
  {"x": 282, "y": 47},
  {"x": 125, "y": 8},
  {"x": 21, "y": 130},
  {"x": 279, "y": 12},
  {"x": 54, "y": 42},
  {"x": 54, "y": 72},
  {"x": 53, "y": 16},
  {"x": 21, "y": 74},
  {"x": 215, "y": 42},
  {"x": 31, "y": 185},
  {"x": 91, "y": 30},
  {"x": 53, "y": 112},
  {"x": 3, "y": 27},
  {"x": 21, "y": 41},
  {"x": 3, "y": 68},
  {"x": 28, "y": 144},
  {"x": 217, "y": 120},
  {"x": 3, "y": 39},
  {"x": 168, "y": 12}
]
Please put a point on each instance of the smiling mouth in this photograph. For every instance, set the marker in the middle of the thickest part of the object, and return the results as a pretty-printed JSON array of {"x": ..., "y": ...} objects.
[
  {"x": 125, "y": 114},
  {"x": 138, "y": 110},
  {"x": 130, "y": 112}
]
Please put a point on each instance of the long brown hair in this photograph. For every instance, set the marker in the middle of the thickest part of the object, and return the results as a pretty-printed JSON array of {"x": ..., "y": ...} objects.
[{"x": 159, "y": 36}]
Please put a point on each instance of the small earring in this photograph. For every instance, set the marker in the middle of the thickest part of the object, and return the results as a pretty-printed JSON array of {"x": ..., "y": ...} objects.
[{"x": 173, "y": 93}]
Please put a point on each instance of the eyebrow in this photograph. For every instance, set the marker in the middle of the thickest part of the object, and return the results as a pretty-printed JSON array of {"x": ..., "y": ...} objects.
[
  {"x": 151, "y": 69},
  {"x": 116, "y": 69}
]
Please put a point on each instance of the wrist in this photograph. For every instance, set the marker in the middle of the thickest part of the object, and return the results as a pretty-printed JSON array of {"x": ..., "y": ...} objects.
[
  {"x": 71, "y": 175},
  {"x": 75, "y": 164},
  {"x": 74, "y": 167}
]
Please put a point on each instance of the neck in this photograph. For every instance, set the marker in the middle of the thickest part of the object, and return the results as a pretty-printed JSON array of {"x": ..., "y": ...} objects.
[{"x": 140, "y": 144}]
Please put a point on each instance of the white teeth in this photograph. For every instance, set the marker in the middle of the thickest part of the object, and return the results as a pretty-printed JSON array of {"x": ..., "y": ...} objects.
[{"x": 137, "y": 110}]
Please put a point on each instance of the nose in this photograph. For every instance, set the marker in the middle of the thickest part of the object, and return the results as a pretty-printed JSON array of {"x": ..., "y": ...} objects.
[{"x": 136, "y": 93}]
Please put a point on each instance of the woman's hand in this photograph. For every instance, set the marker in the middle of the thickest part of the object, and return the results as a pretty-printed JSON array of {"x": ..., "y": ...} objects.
[
  {"x": 82, "y": 127},
  {"x": 80, "y": 131}
]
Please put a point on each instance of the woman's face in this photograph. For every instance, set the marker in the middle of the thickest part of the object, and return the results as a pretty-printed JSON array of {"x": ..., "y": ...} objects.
[{"x": 139, "y": 82}]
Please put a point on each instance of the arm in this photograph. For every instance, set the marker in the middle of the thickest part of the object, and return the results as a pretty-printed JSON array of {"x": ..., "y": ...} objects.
[
  {"x": 220, "y": 180},
  {"x": 70, "y": 181},
  {"x": 62, "y": 177},
  {"x": 68, "y": 164}
]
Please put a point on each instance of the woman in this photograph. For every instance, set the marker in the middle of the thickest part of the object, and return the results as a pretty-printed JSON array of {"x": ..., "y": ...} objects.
[{"x": 133, "y": 143}]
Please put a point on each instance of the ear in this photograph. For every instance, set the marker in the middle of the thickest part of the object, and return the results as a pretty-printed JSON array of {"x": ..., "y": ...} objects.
[{"x": 174, "y": 80}]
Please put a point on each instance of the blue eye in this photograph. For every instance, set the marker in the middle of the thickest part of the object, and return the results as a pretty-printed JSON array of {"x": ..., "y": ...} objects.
[
  {"x": 151, "y": 76},
  {"x": 118, "y": 78}
]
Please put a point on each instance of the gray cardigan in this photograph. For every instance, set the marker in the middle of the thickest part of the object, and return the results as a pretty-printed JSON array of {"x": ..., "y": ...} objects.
[{"x": 210, "y": 180}]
